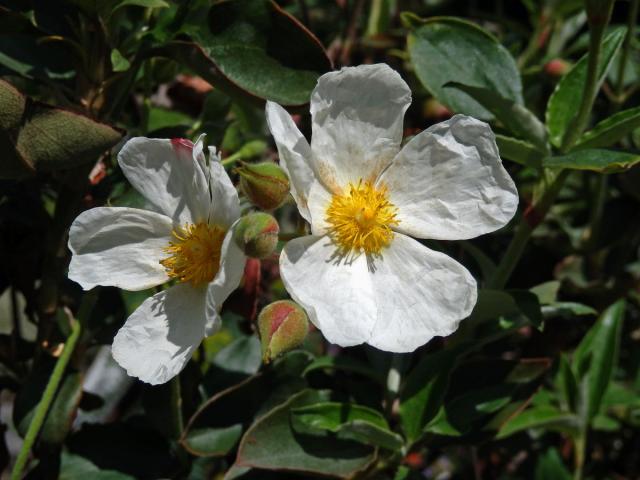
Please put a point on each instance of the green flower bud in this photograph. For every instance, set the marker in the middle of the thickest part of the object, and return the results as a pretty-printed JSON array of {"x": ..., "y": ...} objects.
[
  {"x": 257, "y": 234},
  {"x": 283, "y": 326},
  {"x": 265, "y": 184}
]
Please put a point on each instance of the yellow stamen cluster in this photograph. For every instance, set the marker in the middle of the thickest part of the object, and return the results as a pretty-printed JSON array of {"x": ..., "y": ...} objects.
[
  {"x": 361, "y": 218},
  {"x": 195, "y": 253}
]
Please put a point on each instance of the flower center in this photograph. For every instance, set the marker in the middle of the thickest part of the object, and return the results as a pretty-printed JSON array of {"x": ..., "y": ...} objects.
[
  {"x": 194, "y": 253},
  {"x": 361, "y": 218}
]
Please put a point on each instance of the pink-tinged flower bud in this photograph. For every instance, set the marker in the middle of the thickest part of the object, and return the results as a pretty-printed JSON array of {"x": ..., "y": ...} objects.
[
  {"x": 283, "y": 326},
  {"x": 257, "y": 234},
  {"x": 556, "y": 67},
  {"x": 265, "y": 184}
]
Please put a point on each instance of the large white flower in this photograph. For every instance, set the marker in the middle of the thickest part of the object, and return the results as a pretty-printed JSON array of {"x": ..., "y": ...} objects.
[
  {"x": 360, "y": 276},
  {"x": 184, "y": 238}
]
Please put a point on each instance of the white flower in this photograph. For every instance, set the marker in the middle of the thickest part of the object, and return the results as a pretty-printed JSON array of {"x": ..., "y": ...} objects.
[
  {"x": 185, "y": 238},
  {"x": 360, "y": 276}
]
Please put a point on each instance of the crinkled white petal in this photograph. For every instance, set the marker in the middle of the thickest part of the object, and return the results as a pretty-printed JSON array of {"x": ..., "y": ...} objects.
[
  {"x": 420, "y": 294},
  {"x": 295, "y": 154},
  {"x": 232, "y": 262},
  {"x": 225, "y": 204},
  {"x": 169, "y": 175},
  {"x": 336, "y": 293},
  {"x": 357, "y": 116},
  {"x": 448, "y": 182},
  {"x": 158, "y": 339},
  {"x": 120, "y": 247},
  {"x": 319, "y": 200}
]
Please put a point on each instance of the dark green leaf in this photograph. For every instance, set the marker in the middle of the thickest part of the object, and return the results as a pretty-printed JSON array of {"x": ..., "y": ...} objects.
[
  {"x": 423, "y": 391},
  {"x": 550, "y": 466},
  {"x": 349, "y": 421},
  {"x": 254, "y": 49},
  {"x": 75, "y": 467},
  {"x": 563, "y": 103},
  {"x": 272, "y": 444},
  {"x": 539, "y": 417},
  {"x": 567, "y": 384},
  {"x": 25, "y": 55},
  {"x": 609, "y": 131},
  {"x": 493, "y": 304},
  {"x": 12, "y": 104},
  {"x": 600, "y": 347},
  {"x": 519, "y": 151},
  {"x": 597, "y": 160},
  {"x": 513, "y": 115},
  {"x": 346, "y": 364},
  {"x": 242, "y": 356},
  {"x": 447, "y": 50}
]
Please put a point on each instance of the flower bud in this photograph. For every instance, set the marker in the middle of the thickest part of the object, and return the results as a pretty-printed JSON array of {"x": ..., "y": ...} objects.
[
  {"x": 283, "y": 326},
  {"x": 257, "y": 234},
  {"x": 265, "y": 184},
  {"x": 557, "y": 67}
]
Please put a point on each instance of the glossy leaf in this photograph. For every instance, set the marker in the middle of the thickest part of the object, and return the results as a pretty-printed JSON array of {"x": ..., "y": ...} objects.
[
  {"x": 519, "y": 151},
  {"x": 254, "y": 49},
  {"x": 513, "y": 115},
  {"x": 272, "y": 444},
  {"x": 447, "y": 50},
  {"x": 597, "y": 160},
  {"x": 599, "y": 350},
  {"x": 349, "y": 421},
  {"x": 567, "y": 383},
  {"x": 75, "y": 467},
  {"x": 424, "y": 389},
  {"x": 493, "y": 304},
  {"x": 563, "y": 103},
  {"x": 539, "y": 417},
  {"x": 610, "y": 130}
]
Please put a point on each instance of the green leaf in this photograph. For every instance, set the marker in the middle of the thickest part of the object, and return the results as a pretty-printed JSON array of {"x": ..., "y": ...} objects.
[
  {"x": 254, "y": 49},
  {"x": 212, "y": 442},
  {"x": 610, "y": 130},
  {"x": 546, "y": 417},
  {"x": 28, "y": 57},
  {"x": 494, "y": 304},
  {"x": 272, "y": 444},
  {"x": 349, "y": 421},
  {"x": 445, "y": 49},
  {"x": 599, "y": 349},
  {"x": 75, "y": 467},
  {"x": 63, "y": 409},
  {"x": 141, "y": 3},
  {"x": 242, "y": 356},
  {"x": 423, "y": 391},
  {"x": 346, "y": 364},
  {"x": 597, "y": 160},
  {"x": 514, "y": 116},
  {"x": 519, "y": 151},
  {"x": 567, "y": 384},
  {"x": 563, "y": 103},
  {"x": 118, "y": 62},
  {"x": 550, "y": 465}
]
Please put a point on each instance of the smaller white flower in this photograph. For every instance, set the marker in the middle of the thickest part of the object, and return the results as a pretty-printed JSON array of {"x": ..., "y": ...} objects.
[
  {"x": 360, "y": 275},
  {"x": 185, "y": 238}
]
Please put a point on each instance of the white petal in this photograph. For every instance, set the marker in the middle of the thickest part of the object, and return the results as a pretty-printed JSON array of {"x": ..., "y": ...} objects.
[
  {"x": 232, "y": 261},
  {"x": 169, "y": 175},
  {"x": 295, "y": 154},
  {"x": 337, "y": 295},
  {"x": 319, "y": 200},
  {"x": 357, "y": 116},
  {"x": 420, "y": 294},
  {"x": 120, "y": 247},
  {"x": 157, "y": 340},
  {"x": 448, "y": 182},
  {"x": 225, "y": 204}
]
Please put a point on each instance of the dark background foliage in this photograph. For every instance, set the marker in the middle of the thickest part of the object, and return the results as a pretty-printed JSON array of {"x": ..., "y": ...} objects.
[{"x": 542, "y": 381}]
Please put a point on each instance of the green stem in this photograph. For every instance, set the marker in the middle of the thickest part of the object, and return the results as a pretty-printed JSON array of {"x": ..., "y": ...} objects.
[
  {"x": 177, "y": 424},
  {"x": 528, "y": 223},
  {"x": 47, "y": 398},
  {"x": 231, "y": 159},
  {"x": 592, "y": 83}
]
